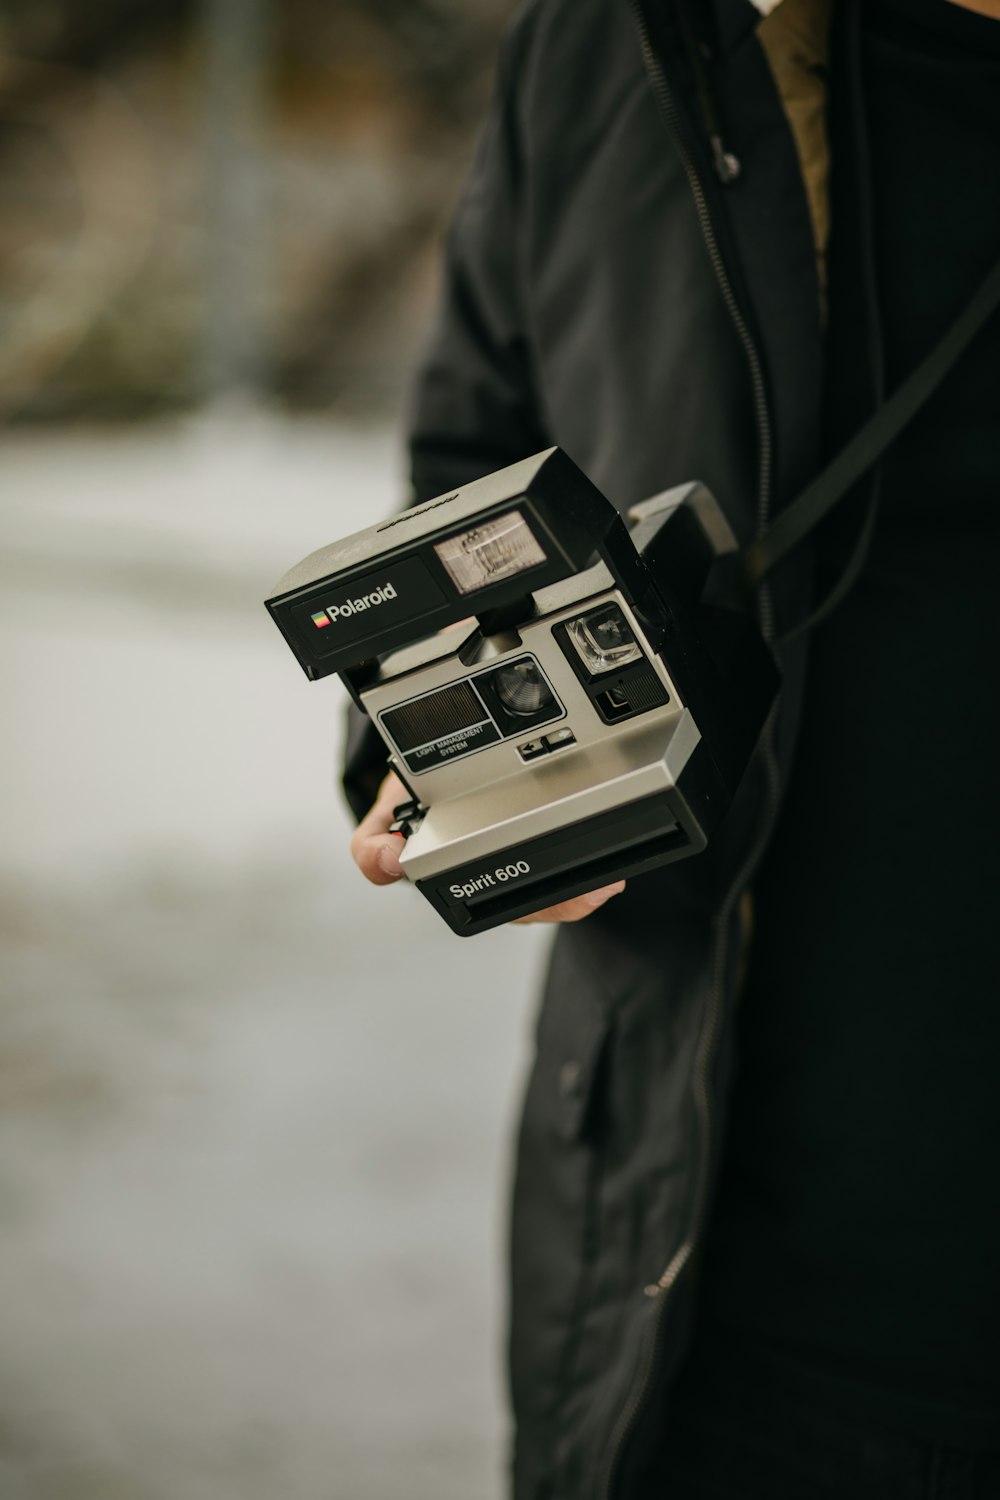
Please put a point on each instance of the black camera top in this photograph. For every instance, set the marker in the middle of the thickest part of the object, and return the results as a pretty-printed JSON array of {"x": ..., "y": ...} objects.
[{"x": 477, "y": 551}]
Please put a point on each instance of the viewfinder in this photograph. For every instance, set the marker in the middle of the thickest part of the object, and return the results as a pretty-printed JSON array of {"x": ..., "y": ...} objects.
[{"x": 603, "y": 640}]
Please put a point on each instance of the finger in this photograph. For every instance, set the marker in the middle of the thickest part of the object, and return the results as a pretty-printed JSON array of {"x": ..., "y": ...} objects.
[
  {"x": 378, "y": 858},
  {"x": 374, "y": 849},
  {"x": 576, "y": 908}
]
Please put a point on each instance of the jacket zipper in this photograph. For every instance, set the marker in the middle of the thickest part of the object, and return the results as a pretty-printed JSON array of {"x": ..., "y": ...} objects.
[{"x": 663, "y": 1288}]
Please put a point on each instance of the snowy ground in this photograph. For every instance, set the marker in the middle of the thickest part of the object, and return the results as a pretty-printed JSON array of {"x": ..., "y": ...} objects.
[{"x": 254, "y": 1115}]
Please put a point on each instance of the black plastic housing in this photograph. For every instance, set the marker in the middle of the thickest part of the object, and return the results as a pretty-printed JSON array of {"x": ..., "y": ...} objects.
[{"x": 569, "y": 517}]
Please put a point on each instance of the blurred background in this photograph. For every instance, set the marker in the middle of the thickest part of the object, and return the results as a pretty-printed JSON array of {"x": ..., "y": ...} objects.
[{"x": 255, "y": 1133}]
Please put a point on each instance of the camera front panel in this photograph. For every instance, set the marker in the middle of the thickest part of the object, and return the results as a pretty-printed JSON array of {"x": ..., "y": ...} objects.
[
  {"x": 449, "y": 723},
  {"x": 594, "y": 724},
  {"x": 454, "y": 725}
]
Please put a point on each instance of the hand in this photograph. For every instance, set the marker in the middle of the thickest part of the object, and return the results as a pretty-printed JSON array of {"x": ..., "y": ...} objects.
[
  {"x": 374, "y": 849},
  {"x": 575, "y": 909}
]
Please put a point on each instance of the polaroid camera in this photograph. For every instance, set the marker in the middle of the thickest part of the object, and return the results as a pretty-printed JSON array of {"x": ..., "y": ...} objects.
[{"x": 562, "y": 706}]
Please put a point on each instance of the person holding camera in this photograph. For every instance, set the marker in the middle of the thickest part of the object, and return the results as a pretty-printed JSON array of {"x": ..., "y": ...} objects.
[{"x": 756, "y": 1221}]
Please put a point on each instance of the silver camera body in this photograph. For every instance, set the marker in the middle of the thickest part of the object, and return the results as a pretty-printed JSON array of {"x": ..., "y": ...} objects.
[{"x": 560, "y": 704}]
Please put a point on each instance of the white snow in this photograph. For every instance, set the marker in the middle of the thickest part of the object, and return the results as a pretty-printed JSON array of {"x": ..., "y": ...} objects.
[{"x": 255, "y": 1114}]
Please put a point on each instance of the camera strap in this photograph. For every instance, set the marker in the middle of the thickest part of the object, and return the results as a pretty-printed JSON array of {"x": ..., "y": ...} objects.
[{"x": 869, "y": 442}]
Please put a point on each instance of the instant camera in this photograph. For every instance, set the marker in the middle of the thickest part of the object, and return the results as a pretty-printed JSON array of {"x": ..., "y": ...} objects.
[{"x": 561, "y": 705}]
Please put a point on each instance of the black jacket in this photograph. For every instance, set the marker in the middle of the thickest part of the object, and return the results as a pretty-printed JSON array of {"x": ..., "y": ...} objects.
[{"x": 606, "y": 291}]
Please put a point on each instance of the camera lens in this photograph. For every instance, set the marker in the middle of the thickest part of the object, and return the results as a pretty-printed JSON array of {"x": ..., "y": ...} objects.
[{"x": 522, "y": 689}]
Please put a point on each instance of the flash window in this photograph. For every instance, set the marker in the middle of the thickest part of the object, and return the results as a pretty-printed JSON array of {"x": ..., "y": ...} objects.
[{"x": 497, "y": 549}]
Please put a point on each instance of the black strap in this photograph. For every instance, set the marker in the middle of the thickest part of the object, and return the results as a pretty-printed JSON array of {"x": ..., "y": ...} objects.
[{"x": 870, "y": 441}]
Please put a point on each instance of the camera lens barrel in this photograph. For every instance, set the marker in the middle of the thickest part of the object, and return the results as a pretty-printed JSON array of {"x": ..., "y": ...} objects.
[{"x": 522, "y": 689}]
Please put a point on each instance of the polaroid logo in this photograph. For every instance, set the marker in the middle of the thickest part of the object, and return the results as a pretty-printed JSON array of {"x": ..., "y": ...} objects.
[{"x": 335, "y": 612}]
